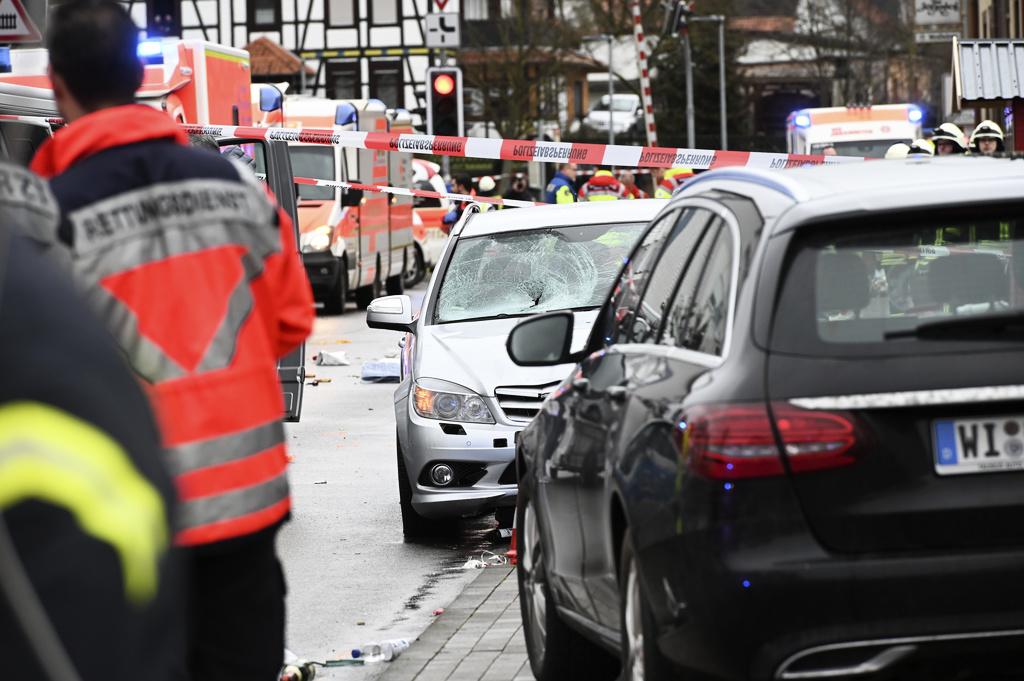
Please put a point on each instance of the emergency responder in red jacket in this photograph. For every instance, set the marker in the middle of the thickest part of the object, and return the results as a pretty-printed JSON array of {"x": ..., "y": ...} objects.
[
  {"x": 87, "y": 581},
  {"x": 197, "y": 276},
  {"x": 602, "y": 187},
  {"x": 628, "y": 180}
]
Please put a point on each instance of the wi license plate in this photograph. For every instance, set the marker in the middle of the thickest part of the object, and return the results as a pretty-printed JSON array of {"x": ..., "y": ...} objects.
[{"x": 985, "y": 445}]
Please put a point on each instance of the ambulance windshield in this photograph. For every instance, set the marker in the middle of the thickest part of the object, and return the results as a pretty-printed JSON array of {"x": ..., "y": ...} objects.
[
  {"x": 864, "y": 148},
  {"x": 316, "y": 163}
]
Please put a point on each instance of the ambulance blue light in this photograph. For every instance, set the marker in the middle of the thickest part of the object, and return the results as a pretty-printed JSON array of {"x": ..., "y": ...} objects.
[
  {"x": 270, "y": 98},
  {"x": 802, "y": 120},
  {"x": 346, "y": 114},
  {"x": 914, "y": 115},
  {"x": 150, "y": 48},
  {"x": 5, "y": 60}
]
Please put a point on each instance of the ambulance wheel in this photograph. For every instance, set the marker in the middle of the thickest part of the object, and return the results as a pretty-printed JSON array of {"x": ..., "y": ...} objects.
[
  {"x": 395, "y": 286},
  {"x": 336, "y": 298},
  {"x": 366, "y": 294},
  {"x": 416, "y": 271}
]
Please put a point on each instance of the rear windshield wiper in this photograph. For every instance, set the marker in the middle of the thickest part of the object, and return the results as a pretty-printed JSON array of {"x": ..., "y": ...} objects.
[{"x": 986, "y": 326}]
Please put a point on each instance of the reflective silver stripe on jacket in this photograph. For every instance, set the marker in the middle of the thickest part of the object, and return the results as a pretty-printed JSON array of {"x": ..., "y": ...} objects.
[
  {"x": 231, "y": 505},
  {"x": 183, "y": 206},
  {"x": 158, "y": 222},
  {"x": 215, "y": 451},
  {"x": 26, "y": 201}
]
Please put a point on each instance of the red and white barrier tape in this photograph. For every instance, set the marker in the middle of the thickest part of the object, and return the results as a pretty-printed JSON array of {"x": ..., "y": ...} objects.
[
  {"x": 401, "y": 191},
  {"x": 527, "y": 150},
  {"x": 32, "y": 119},
  {"x": 645, "y": 76},
  {"x": 514, "y": 150}
]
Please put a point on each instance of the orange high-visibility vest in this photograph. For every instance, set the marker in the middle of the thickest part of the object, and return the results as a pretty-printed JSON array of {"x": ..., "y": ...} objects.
[{"x": 197, "y": 276}]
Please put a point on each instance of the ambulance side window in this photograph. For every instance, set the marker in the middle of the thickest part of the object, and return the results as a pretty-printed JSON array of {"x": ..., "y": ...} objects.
[{"x": 20, "y": 140}]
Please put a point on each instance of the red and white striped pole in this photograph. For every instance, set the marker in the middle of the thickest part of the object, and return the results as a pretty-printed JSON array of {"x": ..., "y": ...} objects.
[{"x": 645, "y": 76}]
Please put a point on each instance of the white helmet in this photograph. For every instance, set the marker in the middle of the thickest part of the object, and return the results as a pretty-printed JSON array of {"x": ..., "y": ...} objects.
[
  {"x": 948, "y": 132},
  {"x": 921, "y": 147},
  {"x": 486, "y": 184},
  {"x": 898, "y": 150},
  {"x": 988, "y": 130}
]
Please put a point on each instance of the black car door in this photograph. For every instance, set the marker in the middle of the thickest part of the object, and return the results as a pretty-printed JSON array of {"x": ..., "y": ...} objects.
[
  {"x": 271, "y": 160},
  {"x": 694, "y": 338},
  {"x": 565, "y": 438},
  {"x": 627, "y": 385}
]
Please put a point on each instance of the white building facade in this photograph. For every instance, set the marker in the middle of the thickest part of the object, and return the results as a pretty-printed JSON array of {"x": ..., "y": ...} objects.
[{"x": 356, "y": 49}]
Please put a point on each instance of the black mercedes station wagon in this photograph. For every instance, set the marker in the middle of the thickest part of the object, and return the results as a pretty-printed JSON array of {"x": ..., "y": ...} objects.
[{"x": 793, "y": 447}]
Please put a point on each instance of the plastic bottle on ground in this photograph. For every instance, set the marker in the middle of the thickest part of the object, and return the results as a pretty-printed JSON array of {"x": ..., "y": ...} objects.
[{"x": 381, "y": 651}]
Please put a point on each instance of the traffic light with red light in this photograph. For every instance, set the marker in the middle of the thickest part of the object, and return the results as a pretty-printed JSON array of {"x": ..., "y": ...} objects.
[
  {"x": 163, "y": 18},
  {"x": 444, "y": 101}
]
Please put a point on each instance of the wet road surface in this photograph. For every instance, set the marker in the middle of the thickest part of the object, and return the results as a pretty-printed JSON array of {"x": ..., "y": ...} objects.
[{"x": 351, "y": 576}]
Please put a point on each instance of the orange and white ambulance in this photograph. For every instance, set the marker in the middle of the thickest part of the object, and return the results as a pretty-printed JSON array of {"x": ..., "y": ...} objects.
[
  {"x": 194, "y": 81},
  {"x": 428, "y": 214},
  {"x": 852, "y": 131},
  {"x": 352, "y": 243}
]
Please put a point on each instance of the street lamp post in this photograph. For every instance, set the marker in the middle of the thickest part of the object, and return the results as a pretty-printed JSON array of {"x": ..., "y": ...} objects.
[
  {"x": 611, "y": 81},
  {"x": 611, "y": 95},
  {"x": 720, "y": 20}
]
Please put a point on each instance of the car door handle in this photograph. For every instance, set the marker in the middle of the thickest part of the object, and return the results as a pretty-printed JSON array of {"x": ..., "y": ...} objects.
[{"x": 616, "y": 393}]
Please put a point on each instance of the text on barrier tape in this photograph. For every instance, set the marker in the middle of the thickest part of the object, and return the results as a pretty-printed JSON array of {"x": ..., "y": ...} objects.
[{"x": 526, "y": 150}]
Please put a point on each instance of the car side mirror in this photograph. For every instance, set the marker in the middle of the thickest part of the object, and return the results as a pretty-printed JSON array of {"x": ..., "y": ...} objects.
[
  {"x": 351, "y": 197},
  {"x": 543, "y": 340},
  {"x": 393, "y": 313}
]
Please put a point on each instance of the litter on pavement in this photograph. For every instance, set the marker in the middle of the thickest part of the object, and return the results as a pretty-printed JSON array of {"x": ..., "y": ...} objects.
[
  {"x": 382, "y": 371},
  {"x": 332, "y": 359},
  {"x": 486, "y": 559}
]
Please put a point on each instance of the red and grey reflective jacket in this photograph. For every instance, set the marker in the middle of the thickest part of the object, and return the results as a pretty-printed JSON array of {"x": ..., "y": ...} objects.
[
  {"x": 602, "y": 187},
  {"x": 197, "y": 276}
]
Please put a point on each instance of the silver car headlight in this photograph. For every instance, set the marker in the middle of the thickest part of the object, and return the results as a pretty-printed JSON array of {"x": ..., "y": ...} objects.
[
  {"x": 316, "y": 240},
  {"x": 445, "y": 406}
]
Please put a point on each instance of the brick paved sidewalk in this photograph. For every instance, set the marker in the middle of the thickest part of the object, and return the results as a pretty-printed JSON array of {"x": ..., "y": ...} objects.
[{"x": 478, "y": 638}]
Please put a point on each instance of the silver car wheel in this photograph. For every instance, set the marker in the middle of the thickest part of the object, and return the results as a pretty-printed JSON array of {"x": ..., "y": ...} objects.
[
  {"x": 531, "y": 557},
  {"x": 634, "y": 626}
]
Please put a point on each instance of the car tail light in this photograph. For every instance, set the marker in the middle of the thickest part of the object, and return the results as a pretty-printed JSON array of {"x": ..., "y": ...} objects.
[{"x": 732, "y": 441}]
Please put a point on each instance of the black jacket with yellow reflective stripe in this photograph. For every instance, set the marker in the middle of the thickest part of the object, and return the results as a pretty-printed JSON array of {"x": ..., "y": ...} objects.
[{"x": 58, "y": 361}]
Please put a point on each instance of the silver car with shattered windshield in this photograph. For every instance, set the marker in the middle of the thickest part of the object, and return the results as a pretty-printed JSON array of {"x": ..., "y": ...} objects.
[{"x": 462, "y": 402}]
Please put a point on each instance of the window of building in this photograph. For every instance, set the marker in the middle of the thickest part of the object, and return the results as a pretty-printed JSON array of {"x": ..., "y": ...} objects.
[
  {"x": 384, "y": 12},
  {"x": 476, "y": 10},
  {"x": 485, "y": 10},
  {"x": 577, "y": 99},
  {"x": 343, "y": 80},
  {"x": 386, "y": 83},
  {"x": 342, "y": 12},
  {"x": 264, "y": 15}
]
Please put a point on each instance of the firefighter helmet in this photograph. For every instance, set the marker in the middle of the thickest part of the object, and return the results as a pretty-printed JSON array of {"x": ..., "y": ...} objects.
[
  {"x": 898, "y": 150},
  {"x": 921, "y": 147},
  {"x": 988, "y": 130},
  {"x": 948, "y": 132}
]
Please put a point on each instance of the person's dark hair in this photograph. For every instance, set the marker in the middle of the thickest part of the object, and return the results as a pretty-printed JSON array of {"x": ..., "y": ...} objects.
[
  {"x": 93, "y": 46},
  {"x": 208, "y": 142},
  {"x": 464, "y": 181}
]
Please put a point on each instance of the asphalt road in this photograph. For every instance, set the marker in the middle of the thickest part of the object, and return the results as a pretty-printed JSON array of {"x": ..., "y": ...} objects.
[{"x": 351, "y": 576}]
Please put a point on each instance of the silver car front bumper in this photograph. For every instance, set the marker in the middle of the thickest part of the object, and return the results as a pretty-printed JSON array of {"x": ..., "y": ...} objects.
[{"x": 425, "y": 443}]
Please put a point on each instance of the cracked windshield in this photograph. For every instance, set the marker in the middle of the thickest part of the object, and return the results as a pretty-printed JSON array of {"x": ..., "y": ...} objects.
[{"x": 532, "y": 272}]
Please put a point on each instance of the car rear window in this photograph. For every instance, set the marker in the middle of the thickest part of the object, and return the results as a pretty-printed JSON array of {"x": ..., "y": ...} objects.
[{"x": 903, "y": 288}]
